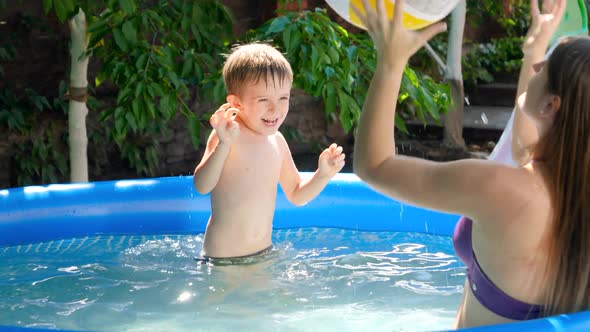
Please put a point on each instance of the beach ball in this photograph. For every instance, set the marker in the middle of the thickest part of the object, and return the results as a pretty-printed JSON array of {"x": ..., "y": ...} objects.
[{"x": 417, "y": 13}]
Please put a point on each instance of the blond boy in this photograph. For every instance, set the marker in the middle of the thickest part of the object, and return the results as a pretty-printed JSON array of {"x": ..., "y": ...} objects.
[{"x": 246, "y": 156}]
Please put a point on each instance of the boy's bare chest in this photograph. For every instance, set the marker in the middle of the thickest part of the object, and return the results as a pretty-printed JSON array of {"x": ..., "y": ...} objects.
[{"x": 256, "y": 159}]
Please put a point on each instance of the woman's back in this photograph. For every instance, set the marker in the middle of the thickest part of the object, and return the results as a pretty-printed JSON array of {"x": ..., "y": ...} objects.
[{"x": 510, "y": 248}]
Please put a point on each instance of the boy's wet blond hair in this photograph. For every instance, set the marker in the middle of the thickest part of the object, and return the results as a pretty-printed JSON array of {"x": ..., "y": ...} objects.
[{"x": 249, "y": 63}]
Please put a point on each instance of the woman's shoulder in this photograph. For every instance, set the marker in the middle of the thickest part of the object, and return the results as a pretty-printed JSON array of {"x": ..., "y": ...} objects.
[{"x": 517, "y": 193}]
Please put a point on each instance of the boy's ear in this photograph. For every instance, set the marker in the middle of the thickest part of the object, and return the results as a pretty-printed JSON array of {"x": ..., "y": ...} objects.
[{"x": 233, "y": 100}]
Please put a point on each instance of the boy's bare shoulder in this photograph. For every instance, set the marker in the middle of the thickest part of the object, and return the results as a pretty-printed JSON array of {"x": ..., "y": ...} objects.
[
  {"x": 280, "y": 138},
  {"x": 281, "y": 142}
]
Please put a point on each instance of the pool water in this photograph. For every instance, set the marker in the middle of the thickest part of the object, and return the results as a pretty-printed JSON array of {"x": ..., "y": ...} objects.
[{"x": 315, "y": 279}]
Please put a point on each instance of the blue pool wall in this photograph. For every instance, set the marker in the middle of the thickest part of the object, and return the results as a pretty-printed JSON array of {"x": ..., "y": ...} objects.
[{"x": 171, "y": 206}]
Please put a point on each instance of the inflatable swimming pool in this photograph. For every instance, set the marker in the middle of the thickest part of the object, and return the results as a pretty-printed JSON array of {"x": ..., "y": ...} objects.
[{"x": 171, "y": 206}]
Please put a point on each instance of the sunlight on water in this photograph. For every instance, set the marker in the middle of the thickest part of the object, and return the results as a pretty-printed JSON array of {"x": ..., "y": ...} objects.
[{"x": 313, "y": 280}]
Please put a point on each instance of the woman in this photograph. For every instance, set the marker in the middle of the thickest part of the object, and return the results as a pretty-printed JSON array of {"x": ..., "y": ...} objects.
[{"x": 522, "y": 225}]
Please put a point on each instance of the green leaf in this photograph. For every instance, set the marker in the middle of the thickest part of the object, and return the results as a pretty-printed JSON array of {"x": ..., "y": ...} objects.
[
  {"x": 98, "y": 26},
  {"x": 157, "y": 88},
  {"x": 330, "y": 98},
  {"x": 124, "y": 94},
  {"x": 287, "y": 38},
  {"x": 314, "y": 57},
  {"x": 194, "y": 129},
  {"x": 278, "y": 24},
  {"x": 333, "y": 54},
  {"x": 141, "y": 62},
  {"x": 47, "y": 5},
  {"x": 345, "y": 120},
  {"x": 198, "y": 72},
  {"x": 119, "y": 125},
  {"x": 329, "y": 71},
  {"x": 138, "y": 89},
  {"x": 106, "y": 113},
  {"x": 131, "y": 120},
  {"x": 400, "y": 124},
  {"x": 128, "y": 6},
  {"x": 152, "y": 157},
  {"x": 151, "y": 91},
  {"x": 63, "y": 9},
  {"x": 120, "y": 40},
  {"x": 174, "y": 79},
  {"x": 129, "y": 32},
  {"x": 151, "y": 109},
  {"x": 186, "y": 67}
]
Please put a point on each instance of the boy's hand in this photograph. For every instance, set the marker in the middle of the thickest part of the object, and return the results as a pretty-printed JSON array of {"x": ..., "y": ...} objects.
[
  {"x": 223, "y": 121},
  {"x": 331, "y": 161}
]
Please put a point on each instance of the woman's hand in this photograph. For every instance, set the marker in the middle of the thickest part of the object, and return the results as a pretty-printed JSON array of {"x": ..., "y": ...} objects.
[
  {"x": 394, "y": 43},
  {"x": 544, "y": 23}
]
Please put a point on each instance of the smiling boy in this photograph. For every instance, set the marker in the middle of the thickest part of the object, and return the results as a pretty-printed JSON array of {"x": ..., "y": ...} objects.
[{"x": 246, "y": 156}]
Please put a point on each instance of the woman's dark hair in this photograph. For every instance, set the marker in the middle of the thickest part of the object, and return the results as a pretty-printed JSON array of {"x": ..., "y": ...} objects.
[{"x": 566, "y": 152}]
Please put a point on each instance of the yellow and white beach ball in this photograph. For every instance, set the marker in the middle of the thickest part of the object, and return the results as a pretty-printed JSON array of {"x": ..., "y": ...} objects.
[{"x": 417, "y": 13}]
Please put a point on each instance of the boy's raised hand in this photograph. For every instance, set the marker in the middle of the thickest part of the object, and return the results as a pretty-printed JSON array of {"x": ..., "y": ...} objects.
[
  {"x": 395, "y": 44},
  {"x": 331, "y": 161},
  {"x": 224, "y": 123}
]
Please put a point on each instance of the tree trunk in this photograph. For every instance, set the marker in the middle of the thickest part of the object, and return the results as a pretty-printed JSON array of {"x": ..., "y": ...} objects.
[
  {"x": 453, "y": 120},
  {"x": 78, "y": 139}
]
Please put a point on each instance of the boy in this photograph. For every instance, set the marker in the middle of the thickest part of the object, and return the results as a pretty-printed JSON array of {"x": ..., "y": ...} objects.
[{"x": 246, "y": 156}]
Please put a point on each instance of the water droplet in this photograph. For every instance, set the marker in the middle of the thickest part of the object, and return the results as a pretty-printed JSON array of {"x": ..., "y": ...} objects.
[{"x": 484, "y": 118}]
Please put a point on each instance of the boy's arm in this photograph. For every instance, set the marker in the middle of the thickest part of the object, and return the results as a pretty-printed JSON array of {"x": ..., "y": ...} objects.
[
  {"x": 300, "y": 192},
  {"x": 225, "y": 131},
  {"x": 208, "y": 171}
]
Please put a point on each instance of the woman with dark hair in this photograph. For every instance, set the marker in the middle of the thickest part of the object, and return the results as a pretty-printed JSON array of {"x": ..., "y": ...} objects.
[{"x": 525, "y": 234}]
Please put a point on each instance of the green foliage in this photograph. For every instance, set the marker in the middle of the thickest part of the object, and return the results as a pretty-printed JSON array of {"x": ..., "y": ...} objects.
[
  {"x": 7, "y": 52},
  {"x": 331, "y": 63},
  {"x": 37, "y": 151},
  {"x": 499, "y": 55},
  {"x": 422, "y": 98},
  {"x": 515, "y": 24},
  {"x": 484, "y": 60},
  {"x": 64, "y": 9},
  {"x": 39, "y": 158},
  {"x": 155, "y": 52},
  {"x": 39, "y": 161},
  {"x": 158, "y": 51},
  {"x": 159, "y": 54},
  {"x": 16, "y": 110},
  {"x": 7, "y": 49}
]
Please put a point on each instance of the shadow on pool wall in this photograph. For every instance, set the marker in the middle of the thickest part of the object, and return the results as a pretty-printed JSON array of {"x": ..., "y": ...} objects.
[{"x": 171, "y": 206}]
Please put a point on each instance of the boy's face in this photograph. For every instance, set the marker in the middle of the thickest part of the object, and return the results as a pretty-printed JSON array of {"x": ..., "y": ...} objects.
[{"x": 263, "y": 105}]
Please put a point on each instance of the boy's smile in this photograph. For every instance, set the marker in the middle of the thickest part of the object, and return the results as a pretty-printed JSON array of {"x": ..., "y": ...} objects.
[
  {"x": 263, "y": 104},
  {"x": 270, "y": 123}
]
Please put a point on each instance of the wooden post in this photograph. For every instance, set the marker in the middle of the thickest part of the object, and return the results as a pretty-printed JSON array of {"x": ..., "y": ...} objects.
[
  {"x": 453, "y": 120},
  {"x": 78, "y": 111}
]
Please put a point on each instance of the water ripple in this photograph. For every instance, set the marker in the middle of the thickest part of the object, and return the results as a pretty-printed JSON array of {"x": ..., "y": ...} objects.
[{"x": 315, "y": 279}]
